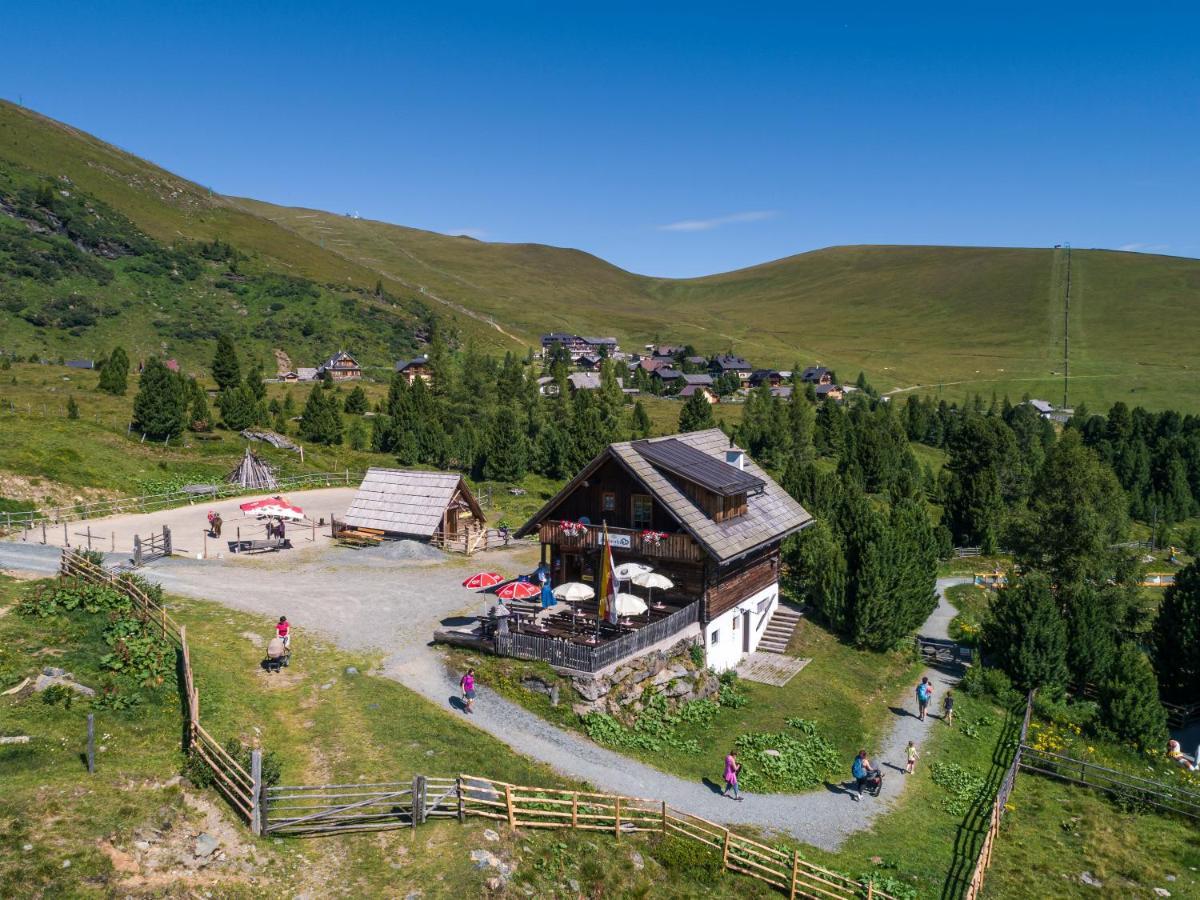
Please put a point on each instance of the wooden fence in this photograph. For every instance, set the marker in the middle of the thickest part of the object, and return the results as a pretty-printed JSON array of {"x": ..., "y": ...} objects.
[
  {"x": 975, "y": 885},
  {"x": 154, "y": 546},
  {"x": 1161, "y": 794},
  {"x": 1180, "y": 715},
  {"x": 15, "y": 521},
  {"x": 241, "y": 788},
  {"x": 585, "y": 658}
]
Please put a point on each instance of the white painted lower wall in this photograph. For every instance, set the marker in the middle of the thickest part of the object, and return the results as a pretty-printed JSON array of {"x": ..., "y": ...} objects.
[{"x": 724, "y": 636}]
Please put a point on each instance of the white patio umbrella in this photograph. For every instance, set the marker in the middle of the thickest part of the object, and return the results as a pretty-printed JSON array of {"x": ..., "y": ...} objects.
[
  {"x": 629, "y": 604},
  {"x": 573, "y": 592},
  {"x": 626, "y": 571},
  {"x": 652, "y": 580}
]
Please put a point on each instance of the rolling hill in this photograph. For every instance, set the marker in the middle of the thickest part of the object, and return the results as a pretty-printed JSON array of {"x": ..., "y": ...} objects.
[{"x": 953, "y": 320}]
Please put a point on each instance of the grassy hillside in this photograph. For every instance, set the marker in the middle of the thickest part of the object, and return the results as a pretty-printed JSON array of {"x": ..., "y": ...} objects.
[{"x": 949, "y": 320}]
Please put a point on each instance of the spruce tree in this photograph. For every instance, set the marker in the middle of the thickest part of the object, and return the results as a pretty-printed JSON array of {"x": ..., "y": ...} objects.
[
  {"x": 72, "y": 408},
  {"x": 114, "y": 374},
  {"x": 358, "y": 436},
  {"x": 321, "y": 423},
  {"x": 817, "y": 573},
  {"x": 1176, "y": 637},
  {"x": 239, "y": 408},
  {"x": 226, "y": 369},
  {"x": 1090, "y": 614},
  {"x": 160, "y": 407},
  {"x": 256, "y": 382},
  {"x": 1026, "y": 635},
  {"x": 639, "y": 422},
  {"x": 1129, "y": 704},
  {"x": 199, "y": 417},
  {"x": 697, "y": 414},
  {"x": 356, "y": 401},
  {"x": 507, "y": 455}
]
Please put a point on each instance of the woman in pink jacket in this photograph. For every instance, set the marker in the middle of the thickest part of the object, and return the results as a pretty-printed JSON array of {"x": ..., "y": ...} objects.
[{"x": 732, "y": 768}]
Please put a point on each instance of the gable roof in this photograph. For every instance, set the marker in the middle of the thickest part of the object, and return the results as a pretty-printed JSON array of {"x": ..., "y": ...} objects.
[
  {"x": 584, "y": 381},
  {"x": 690, "y": 389},
  {"x": 730, "y": 363},
  {"x": 405, "y": 364},
  {"x": 338, "y": 357},
  {"x": 600, "y": 341},
  {"x": 813, "y": 373},
  {"x": 771, "y": 514},
  {"x": 666, "y": 373},
  {"x": 405, "y": 501},
  {"x": 702, "y": 379}
]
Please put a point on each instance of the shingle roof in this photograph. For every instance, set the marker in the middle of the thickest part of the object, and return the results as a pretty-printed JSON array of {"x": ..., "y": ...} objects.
[
  {"x": 674, "y": 456},
  {"x": 731, "y": 362},
  {"x": 584, "y": 381},
  {"x": 771, "y": 515},
  {"x": 403, "y": 501},
  {"x": 404, "y": 364},
  {"x": 697, "y": 379}
]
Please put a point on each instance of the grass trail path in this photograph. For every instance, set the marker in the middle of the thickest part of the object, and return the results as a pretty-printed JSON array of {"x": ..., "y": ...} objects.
[{"x": 824, "y": 817}]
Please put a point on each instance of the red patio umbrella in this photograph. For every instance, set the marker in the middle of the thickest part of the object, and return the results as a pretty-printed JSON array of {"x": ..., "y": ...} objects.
[
  {"x": 482, "y": 580},
  {"x": 518, "y": 590}
]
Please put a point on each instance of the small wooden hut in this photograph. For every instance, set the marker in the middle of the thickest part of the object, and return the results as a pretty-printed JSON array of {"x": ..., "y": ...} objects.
[
  {"x": 433, "y": 506},
  {"x": 252, "y": 472}
]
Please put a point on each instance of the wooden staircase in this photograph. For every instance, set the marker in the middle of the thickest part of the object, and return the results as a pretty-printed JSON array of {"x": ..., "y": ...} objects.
[{"x": 779, "y": 630}]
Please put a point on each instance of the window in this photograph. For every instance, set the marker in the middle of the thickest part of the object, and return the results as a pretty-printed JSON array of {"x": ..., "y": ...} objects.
[
  {"x": 714, "y": 636},
  {"x": 735, "y": 622},
  {"x": 643, "y": 511},
  {"x": 609, "y": 501}
]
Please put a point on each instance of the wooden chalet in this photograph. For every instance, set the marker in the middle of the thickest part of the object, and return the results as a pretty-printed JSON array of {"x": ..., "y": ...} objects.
[
  {"x": 341, "y": 367},
  {"x": 428, "y": 506},
  {"x": 417, "y": 367},
  {"x": 695, "y": 509}
]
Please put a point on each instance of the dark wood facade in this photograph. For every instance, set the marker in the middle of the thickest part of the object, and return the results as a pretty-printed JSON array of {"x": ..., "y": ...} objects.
[{"x": 612, "y": 496}]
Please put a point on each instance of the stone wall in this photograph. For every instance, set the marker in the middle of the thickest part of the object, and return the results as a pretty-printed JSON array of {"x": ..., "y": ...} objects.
[{"x": 671, "y": 672}]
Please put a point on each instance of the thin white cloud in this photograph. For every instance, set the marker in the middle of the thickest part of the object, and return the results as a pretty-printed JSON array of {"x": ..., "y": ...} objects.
[
  {"x": 1144, "y": 248},
  {"x": 754, "y": 215},
  {"x": 478, "y": 233}
]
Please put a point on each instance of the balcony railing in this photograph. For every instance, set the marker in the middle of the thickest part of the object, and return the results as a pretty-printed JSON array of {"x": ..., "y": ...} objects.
[{"x": 671, "y": 546}]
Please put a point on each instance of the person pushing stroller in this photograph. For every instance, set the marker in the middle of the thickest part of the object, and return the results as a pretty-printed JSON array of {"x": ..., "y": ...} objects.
[{"x": 866, "y": 776}]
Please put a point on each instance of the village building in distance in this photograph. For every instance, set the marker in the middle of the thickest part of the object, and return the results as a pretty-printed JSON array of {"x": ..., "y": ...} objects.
[{"x": 417, "y": 367}]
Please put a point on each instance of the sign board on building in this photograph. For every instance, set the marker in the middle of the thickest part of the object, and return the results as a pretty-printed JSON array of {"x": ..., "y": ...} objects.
[{"x": 619, "y": 541}]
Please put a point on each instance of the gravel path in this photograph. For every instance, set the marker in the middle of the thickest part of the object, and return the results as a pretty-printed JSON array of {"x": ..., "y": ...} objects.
[
  {"x": 823, "y": 818},
  {"x": 397, "y": 595}
]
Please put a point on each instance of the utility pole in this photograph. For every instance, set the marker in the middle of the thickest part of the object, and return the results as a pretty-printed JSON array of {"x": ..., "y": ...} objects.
[{"x": 1067, "y": 331}]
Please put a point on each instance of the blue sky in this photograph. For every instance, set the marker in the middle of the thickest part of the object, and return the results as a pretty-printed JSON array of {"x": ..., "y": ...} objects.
[{"x": 669, "y": 139}]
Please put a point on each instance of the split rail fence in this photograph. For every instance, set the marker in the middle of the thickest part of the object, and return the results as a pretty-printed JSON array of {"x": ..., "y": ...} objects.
[
  {"x": 975, "y": 885},
  {"x": 241, "y": 788}
]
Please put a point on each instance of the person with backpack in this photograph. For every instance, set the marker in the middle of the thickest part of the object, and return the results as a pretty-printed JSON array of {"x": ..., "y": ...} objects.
[
  {"x": 924, "y": 694},
  {"x": 732, "y": 769},
  {"x": 862, "y": 772}
]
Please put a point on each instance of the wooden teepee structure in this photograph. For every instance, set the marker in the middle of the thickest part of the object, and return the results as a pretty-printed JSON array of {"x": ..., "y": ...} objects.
[{"x": 252, "y": 472}]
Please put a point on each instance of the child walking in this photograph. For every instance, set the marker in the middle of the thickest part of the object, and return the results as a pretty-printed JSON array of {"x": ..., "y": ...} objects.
[
  {"x": 283, "y": 631},
  {"x": 948, "y": 708},
  {"x": 468, "y": 690},
  {"x": 911, "y": 753},
  {"x": 732, "y": 768}
]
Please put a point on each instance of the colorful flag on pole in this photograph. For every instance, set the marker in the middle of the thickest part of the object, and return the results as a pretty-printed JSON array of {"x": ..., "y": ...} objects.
[{"x": 608, "y": 583}]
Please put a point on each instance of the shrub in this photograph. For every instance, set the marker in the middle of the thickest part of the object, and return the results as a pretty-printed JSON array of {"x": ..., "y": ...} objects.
[
  {"x": 692, "y": 858},
  {"x": 696, "y": 652},
  {"x": 198, "y": 773},
  {"x": 805, "y": 758},
  {"x": 965, "y": 787},
  {"x": 58, "y": 695},
  {"x": 984, "y": 681}
]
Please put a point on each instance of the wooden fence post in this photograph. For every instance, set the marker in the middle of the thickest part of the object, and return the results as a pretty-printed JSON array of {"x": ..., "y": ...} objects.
[
  {"x": 725, "y": 851},
  {"x": 508, "y": 801},
  {"x": 462, "y": 810},
  {"x": 418, "y": 800},
  {"x": 575, "y": 810},
  {"x": 166, "y": 540},
  {"x": 871, "y": 889},
  {"x": 91, "y": 745},
  {"x": 137, "y": 550},
  {"x": 617, "y": 818},
  {"x": 89, "y": 537},
  {"x": 43, "y": 532},
  {"x": 664, "y": 817},
  {"x": 256, "y": 821},
  {"x": 795, "y": 873},
  {"x": 66, "y": 537}
]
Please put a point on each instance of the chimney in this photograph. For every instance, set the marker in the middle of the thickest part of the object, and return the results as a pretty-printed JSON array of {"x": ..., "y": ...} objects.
[{"x": 736, "y": 458}]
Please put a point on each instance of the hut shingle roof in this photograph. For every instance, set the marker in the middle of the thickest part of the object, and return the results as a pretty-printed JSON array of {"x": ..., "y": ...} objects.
[{"x": 407, "y": 502}]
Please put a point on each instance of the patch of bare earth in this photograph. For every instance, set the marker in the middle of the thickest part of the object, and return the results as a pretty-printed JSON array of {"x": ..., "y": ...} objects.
[{"x": 47, "y": 493}]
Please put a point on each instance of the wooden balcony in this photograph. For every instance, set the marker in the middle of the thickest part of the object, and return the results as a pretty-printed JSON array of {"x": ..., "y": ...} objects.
[{"x": 677, "y": 546}]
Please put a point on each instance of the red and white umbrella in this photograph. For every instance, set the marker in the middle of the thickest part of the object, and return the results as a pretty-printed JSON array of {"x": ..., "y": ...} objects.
[
  {"x": 481, "y": 580},
  {"x": 273, "y": 507},
  {"x": 518, "y": 590}
]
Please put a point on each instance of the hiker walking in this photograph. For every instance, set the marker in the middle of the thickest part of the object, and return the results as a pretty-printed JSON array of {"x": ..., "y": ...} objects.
[
  {"x": 924, "y": 693},
  {"x": 948, "y": 708},
  {"x": 732, "y": 768},
  {"x": 863, "y": 772},
  {"x": 910, "y": 753},
  {"x": 467, "y": 683}
]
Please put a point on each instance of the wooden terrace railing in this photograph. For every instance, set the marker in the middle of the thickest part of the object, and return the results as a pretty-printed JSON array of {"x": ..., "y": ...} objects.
[{"x": 628, "y": 540}]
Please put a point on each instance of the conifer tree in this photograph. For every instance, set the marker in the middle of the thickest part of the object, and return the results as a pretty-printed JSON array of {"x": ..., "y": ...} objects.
[
  {"x": 1176, "y": 637},
  {"x": 358, "y": 437},
  {"x": 507, "y": 455},
  {"x": 226, "y": 369},
  {"x": 1129, "y": 704},
  {"x": 356, "y": 401},
  {"x": 816, "y": 571},
  {"x": 239, "y": 408},
  {"x": 1026, "y": 634},
  {"x": 1090, "y": 614},
  {"x": 256, "y": 382},
  {"x": 320, "y": 422},
  {"x": 160, "y": 407},
  {"x": 114, "y": 374},
  {"x": 72, "y": 408},
  {"x": 696, "y": 414},
  {"x": 199, "y": 418},
  {"x": 639, "y": 422}
]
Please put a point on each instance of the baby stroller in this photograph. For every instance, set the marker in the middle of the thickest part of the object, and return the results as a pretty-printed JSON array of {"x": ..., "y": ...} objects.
[
  {"x": 278, "y": 655},
  {"x": 874, "y": 782}
]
